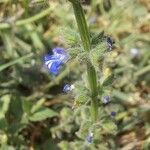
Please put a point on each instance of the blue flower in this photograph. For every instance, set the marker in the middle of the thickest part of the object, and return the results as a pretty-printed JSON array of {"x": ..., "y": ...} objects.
[
  {"x": 89, "y": 138},
  {"x": 110, "y": 43},
  {"x": 56, "y": 60},
  {"x": 67, "y": 88},
  {"x": 113, "y": 113},
  {"x": 106, "y": 99}
]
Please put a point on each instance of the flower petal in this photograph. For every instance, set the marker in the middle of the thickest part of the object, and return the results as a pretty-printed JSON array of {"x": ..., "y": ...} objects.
[
  {"x": 54, "y": 67},
  {"x": 54, "y": 62},
  {"x": 58, "y": 50},
  {"x": 60, "y": 54}
]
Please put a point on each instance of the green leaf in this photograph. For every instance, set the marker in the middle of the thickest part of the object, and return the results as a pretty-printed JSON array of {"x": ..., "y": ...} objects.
[
  {"x": 3, "y": 124},
  {"x": 82, "y": 99},
  {"x": 71, "y": 37},
  {"x": 4, "y": 105},
  {"x": 97, "y": 53},
  {"x": 7, "y": 147},
  {"x": 13, "y": 62},
  {"x": 50, "y": 145},
  {"x": 107, "y": 5},
  {"x": 96, "y": 39},
  {"x": 74, "y": 51},
  {"x": 15, "y": 109},
  {"x": 27, "y": 105},
  {"x": 109, "y": 80},
  {"x": 35, "y": 37},
  {"x": 145, "y": 108},
  {"x": 38, "y": 105},
  {"x": 43, "y": 114},
  {"x": 84, "y": 129},
  {"x": 109, "y": 128}
]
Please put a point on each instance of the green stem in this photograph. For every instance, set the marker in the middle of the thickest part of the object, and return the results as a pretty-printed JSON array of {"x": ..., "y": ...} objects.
[
  {"x": 142, "y": 71},
  {"x": 19, "y": 60},
  {"x": 26, "y": 21},
  {"x": 85, "y": 37}
]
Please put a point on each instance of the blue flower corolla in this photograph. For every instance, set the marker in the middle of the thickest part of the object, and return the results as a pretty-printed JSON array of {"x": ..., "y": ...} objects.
[
  {"x": 67, "y": 88},
  {"x": 106, "y": 99},
  {"x": 110, "y": 43},
  {"x": 56, "y": 60},
  {"x": 89, "y": 138},
  {"x": 113, "y": 113}
]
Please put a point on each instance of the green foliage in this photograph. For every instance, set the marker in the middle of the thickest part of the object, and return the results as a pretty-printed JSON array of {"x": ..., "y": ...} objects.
[
  {"x": 42, "y": 114},
  {"x": 97, "y": 38},
  {"x": 97, "y": 54},
  {"x": 70, "y": 37}
]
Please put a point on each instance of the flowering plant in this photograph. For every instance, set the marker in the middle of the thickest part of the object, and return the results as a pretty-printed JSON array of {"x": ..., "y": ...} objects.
[
  {"x": 77, "y": 107},
  {"x": 90, "y": 51}
]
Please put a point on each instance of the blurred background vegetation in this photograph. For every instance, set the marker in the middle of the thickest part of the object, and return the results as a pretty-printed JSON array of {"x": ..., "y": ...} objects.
[{"x": 34, "y": 112}]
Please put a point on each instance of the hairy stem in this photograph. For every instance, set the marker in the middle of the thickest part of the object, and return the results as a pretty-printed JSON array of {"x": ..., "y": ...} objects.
[{"x": 85, "y": 37}]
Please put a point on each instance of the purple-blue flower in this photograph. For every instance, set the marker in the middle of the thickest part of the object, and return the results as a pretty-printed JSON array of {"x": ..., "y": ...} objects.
[
  {"x": 56, "y": 60},
  {"x": 67, "y": 88},
  {"x": 113, "y": 113},
  {"x": 110, "y": 43},
  {"x": 106, "y": 99},
  {"x": 89, "y": 138}
]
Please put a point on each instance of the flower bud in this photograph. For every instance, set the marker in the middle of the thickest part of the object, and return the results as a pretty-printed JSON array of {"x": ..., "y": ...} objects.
[
  {"x": 134, "y": 52},
  {"x": 110, "y": 43},
  {"x": 89, "y": 138},
  {"x": 113, "y": 113},
  {"x": 67, "y": 88},
  {"x": 106, "y": 99}
]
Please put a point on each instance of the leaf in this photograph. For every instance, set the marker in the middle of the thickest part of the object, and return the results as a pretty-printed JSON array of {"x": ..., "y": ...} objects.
[
  {"x": 81, "y": 99},
  {"x": 74, "y": 51},
  {"x": 97, "y": 53},
  {"x": 4, "y": 105},
  {"x": 107, "y": 5},
  {"x": 71, "y": 37},
  {"x": 35, "y": 37},
  {"x": 145, "y": 108},
  {"x": 27, "y": 105},
  {"x": 15, "y": 127},
  {"x": 3, "y": 124},
  {"x": 50, "y": 145},
  {"x": 38, "y": 105},
  {"x": 97, "y": 38},
  {"x": 84, "y": 128},
  {"x": 13, "y": 62},
  {"x": 109, "y": 127},
  {"x": 6, "y": 147},
  {"x": 43, "y": 114},
  {"x": 109, "y": 80},
  {"x": 15, "y": 109}
]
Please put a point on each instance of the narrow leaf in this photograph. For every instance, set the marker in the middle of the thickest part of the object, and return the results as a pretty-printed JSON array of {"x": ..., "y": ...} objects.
[{"x": 43, "y": 114}]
